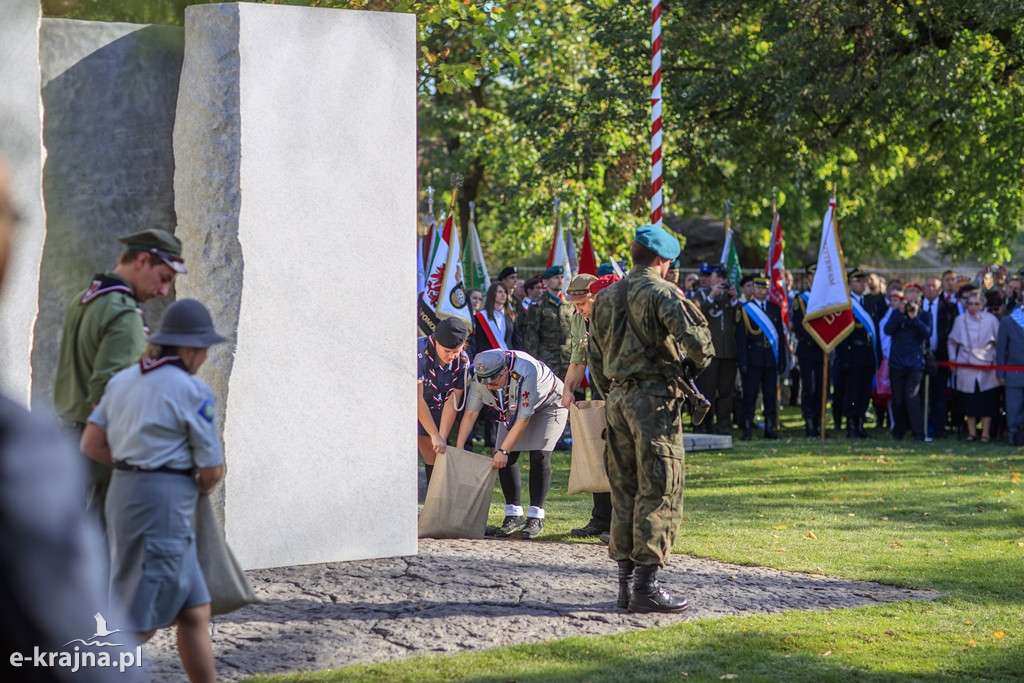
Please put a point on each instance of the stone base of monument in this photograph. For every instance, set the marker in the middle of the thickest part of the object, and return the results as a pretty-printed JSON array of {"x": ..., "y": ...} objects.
[{"x": 706, "y": 442}]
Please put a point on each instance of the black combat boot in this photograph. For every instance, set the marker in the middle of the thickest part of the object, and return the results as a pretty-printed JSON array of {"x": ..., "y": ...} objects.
[
  {"x": 649, "y": 596},
  {"x": 748, "y": 427},
  {"x": 625, "y": 577},
  {"x": 770, "y": 433}
]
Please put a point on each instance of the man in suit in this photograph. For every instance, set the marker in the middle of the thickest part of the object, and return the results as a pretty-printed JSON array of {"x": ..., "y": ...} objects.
[
  {"x": 809, "y": 357},
  {"x": 942, "y": 313},
  {"x": 857, "y": 359},
  {"x": 1010, "y": 351},
  {"x": 762, "y": 355}
]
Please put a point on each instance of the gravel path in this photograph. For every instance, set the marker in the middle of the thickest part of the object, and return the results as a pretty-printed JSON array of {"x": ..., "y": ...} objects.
[{"x": 470, "y": 595}]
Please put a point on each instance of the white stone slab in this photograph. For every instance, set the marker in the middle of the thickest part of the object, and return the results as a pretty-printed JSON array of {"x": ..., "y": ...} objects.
[
  {"x": 21, "y": 145},
  {"x": 295, "y": 185},
  {"x": 706, "y": 442}
]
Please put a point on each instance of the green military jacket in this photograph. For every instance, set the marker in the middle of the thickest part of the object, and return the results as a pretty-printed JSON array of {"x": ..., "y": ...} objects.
[
  {"x": 547, "y": 332},
  {"x": 103, "y": 334},
  {"x": 579, "y": 338},
  {"x": 616, "y": 354}
]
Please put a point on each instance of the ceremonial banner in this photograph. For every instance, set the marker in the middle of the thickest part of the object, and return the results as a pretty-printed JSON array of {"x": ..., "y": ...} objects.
[
  {"x": 774, "y": 268},
  {"x": 558, "y": 255},
  {"x": 570, "y": 247},
  {"x": 731, "y": 260},
  {"x": 829, "y": 317},
  {"x": 588, "y": 260},
  {"x": 476, "y": 268},
  {"x": 435, "y": 279},
  {"x": 452, "y": 300}
]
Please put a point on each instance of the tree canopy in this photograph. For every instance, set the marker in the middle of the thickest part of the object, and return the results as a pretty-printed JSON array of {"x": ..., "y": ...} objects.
[{"x": 913, "y": 108}]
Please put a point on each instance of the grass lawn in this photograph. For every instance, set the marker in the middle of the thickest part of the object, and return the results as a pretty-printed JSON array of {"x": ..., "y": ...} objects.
[{"x": 946, "y": 515}]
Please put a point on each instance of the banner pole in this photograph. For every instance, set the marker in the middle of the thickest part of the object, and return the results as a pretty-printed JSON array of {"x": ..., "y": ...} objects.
[{"x": 824, "y": 391}]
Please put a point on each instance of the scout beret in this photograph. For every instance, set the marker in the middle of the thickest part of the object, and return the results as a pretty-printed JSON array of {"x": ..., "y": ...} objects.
[
  {"x": 580, "y": 286},
  {"x": 811, "y": 268},
  {"x": 856, "y": 274},
  {"x": 608, "y": 269},
  {"x": 506, "y": 271},
  {"x": 161, "y": 243},
  {"x": 603, "y": 281},
  {"x": 186, "y": 322},
  {"x": 760, "y": 281},
  {"x": 553, "y": 271},
  {"x": 451, "y": 332},
  {"x": 488, "y": 364},
  {"x": 706, "y": 268},
  {"x": 658, "y": 240}
]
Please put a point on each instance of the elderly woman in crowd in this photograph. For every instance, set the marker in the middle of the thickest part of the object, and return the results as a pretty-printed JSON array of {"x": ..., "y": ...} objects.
[
  {"x": 973, "y": 342},
  {"x": 156, "y": 426}
]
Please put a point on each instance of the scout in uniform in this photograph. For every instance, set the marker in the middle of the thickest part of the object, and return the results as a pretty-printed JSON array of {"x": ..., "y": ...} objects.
[
  {"x": 546, "y": 331},
  {"x": 809, "y": 355},
  {"x": 442, "y": 366},
  {"x": 644, "y": 336},
  {"x": 528, "y": 398},
  {"x": 762, "y": 356},
  {"x": 104, "y": 333},
  {"x": 156, "y": 425}
]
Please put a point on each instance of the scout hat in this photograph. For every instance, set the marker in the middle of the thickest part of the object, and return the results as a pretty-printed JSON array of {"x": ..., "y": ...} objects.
[
  {"x": 579, "y": 287},
  {"x": 488, "y": 364},
  {"x": 186, "y": 322},
  {"x": 553, "y": 271},
  {"x": 160, "y": 243},
  {"x": 451, "y": 333},
  {"x": 658, "y": 240},
  {"x": 506, "y": 271}
]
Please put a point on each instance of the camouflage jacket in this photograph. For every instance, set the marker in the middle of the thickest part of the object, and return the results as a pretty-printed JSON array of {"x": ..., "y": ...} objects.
[
  {"x": 616, "y": 354},
  {"x": 546, "y": 332}
]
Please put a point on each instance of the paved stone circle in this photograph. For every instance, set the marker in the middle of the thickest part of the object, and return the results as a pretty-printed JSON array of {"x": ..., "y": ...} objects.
[{"x": 460, "y": 595}]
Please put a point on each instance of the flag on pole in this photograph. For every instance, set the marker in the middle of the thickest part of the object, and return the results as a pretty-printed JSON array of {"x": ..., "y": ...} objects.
[
  {"x": 473, "y": 257},
  {"x": 616, "y": 267},
  {"x": 558, "y": 255},
  {"x": 588, "y": 260},
  {"x": 774, "y": 268},
  {"x": 435, "y": 279},
  {"x": 829, "y": 317},
  {"x": 731, "y": 260},
  {"x": 570, "y": 247},
  {"x": 421, "y": 268},
  {"x": 452, "y": 300}
]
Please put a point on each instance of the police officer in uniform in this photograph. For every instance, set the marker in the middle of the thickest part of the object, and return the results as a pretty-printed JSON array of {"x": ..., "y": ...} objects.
[
  {"x": 855, "y": 360},
  {"x": 104, "y": 333},
  {"x": 719, "y": 304},
  {"x": 757, "y": 359},
  {"x": 643, "y": 336},
  {"x": 528, "y": 398},
  {"x": 810, "y": 357},
  {"x": 546, "y": 330}
]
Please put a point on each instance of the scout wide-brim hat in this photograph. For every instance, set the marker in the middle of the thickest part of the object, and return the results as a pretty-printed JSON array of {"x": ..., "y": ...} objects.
[
  {"x": 579, "y": 287},
  {"x": 186, "y": 322}
]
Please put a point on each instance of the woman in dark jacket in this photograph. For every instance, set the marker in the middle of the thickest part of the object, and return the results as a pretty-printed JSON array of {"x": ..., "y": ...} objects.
[
  {"x": 496, "y": 325},
  {"x": 908, "y": 329}
]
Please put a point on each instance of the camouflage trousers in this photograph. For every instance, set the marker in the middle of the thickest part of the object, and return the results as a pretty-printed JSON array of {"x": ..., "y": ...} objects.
[{"x": 645, "y": 461}]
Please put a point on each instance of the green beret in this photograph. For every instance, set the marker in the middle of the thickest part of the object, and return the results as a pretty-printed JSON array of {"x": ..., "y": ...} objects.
[
  {"x": 608, "y": 269},
  {"x": 658, "y": 240},
  {"x": 163, "y": 244},
  {"x": 675, "y": 265},
  {"x": 553, "y": 271}
]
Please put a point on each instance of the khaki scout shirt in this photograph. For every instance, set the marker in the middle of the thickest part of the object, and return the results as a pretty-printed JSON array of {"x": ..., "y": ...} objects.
[
  {"x": 616, "y": 353},
  {"x": 100, "y": 337},
  {"x": 580, "y": 339}
]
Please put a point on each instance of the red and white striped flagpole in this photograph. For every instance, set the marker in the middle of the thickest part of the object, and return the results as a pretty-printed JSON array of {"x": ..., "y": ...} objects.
[{"x": 657, "y": 199}]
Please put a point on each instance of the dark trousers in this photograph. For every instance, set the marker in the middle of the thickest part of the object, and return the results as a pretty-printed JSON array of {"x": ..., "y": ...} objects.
[
  {"x": 540, "y": 478},
  {"x": 857, "y": 390},
  {"x": 810, "y": 388},
  {"x": 907, "y": 408},
  {"x": 765, "y": 379},
  {"x": 838, "y": 394},
  {"x": 718, "y": 382},
  {"x": 937, "y": 408}
]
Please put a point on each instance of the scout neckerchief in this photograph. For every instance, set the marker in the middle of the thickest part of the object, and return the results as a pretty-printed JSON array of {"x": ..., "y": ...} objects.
[
  {"x": 760, "y": 318},
  {"x": 150, "y": 364},
  {"x": 501, "y": 395},
  {"x": 868, "y": 323},
  {"x": 105, "y": 284},
  {"x": 432, "y": 353},
  {"x": 490, "y": 328}
]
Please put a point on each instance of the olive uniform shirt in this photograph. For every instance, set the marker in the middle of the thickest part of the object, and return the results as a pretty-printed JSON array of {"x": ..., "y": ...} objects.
[
  {"x": 103, "y": 334},
  {"x": 546, "y": 332},
  {"x": 579, "y": 336}
]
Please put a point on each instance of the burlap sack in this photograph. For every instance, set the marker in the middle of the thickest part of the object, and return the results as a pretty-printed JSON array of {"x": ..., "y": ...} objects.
[
  {"x": 587, "y": 472},
  {"x": 459, "y": 496},
  {"x": 228, "y": 585}
]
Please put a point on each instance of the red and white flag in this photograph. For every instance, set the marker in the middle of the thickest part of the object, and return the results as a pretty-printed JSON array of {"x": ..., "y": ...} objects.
[
  {"x": 558, "y": 255},
  {"x": 829, "y": 317},
  {"x": 436, "y": 265},
  {"x": 774, "y": 270}
]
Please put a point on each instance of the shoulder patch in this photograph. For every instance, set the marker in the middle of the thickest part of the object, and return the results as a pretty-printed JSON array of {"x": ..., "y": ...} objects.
[{"x": 207, "y": 411}]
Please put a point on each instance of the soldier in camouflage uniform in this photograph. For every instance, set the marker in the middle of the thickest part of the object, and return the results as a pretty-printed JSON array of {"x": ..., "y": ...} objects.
[
  {"x": 546, "y": 330},
  {"x": 636, "y": 358},
  {"x": 104, "y": 333}
]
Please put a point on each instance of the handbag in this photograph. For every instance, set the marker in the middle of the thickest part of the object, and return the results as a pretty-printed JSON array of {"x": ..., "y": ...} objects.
[{"x": 228, "y": 585}]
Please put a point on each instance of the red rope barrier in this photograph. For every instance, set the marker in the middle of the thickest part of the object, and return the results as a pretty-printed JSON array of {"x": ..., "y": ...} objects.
[{"x": 1008, "y": 368}]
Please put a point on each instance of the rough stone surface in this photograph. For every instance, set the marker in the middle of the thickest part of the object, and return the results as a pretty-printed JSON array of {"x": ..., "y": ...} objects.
[
  {"x": 21, "y": 145},
  {"x": 295, "y": 153},
  {"x": 459, "y": 595},
  {"x": 109, "y": 92},
  {"x": 706, "y": 442}
]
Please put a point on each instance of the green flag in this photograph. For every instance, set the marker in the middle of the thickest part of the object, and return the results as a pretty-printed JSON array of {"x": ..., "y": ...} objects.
[{"x": 731, "y": 260}]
